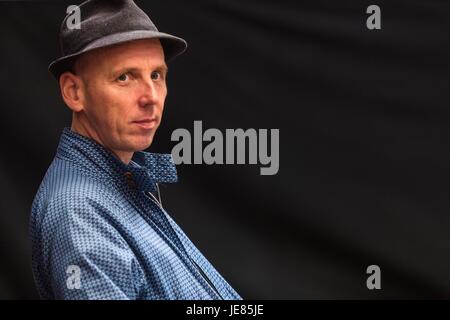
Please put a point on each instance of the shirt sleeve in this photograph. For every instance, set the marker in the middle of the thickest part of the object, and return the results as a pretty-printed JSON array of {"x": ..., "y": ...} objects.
[{"x": 85, "y": 256}]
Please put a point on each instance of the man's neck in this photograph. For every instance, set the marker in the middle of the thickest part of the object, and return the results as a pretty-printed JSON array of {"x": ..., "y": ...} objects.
[{"x": 123, "y": 156}]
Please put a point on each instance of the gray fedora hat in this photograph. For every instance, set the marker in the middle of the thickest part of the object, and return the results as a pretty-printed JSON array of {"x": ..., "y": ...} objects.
[{"x": 105, "y": 23}]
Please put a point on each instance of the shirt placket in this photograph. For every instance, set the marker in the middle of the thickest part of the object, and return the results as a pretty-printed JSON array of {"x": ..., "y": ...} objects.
[{"x": 161, "y": 222}]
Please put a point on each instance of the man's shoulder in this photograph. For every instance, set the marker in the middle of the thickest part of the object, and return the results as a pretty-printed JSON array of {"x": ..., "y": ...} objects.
[
  {"x": 66, "y": 187},
  {"x": 69, "y": 177}
]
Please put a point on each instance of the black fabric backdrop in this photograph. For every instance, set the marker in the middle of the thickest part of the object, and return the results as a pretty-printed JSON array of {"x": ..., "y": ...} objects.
[{"x": 364, "y": 141}]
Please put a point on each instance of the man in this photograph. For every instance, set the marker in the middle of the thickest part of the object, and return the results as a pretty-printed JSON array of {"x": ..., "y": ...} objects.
[{"x": 98, "y": 228}]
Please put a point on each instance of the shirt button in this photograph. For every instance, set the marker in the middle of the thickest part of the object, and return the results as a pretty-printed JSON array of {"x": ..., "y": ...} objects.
[{"x": 130, "y": 181}]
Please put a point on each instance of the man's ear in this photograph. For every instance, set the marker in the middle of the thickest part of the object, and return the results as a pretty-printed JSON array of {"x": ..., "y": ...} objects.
[{"x": 72, "y": 91}]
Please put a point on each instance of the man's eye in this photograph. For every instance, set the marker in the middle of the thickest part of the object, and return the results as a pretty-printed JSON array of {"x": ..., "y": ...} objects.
[
  {"x": 155, "y": 75},
  {"x": 123, "y": 77}
]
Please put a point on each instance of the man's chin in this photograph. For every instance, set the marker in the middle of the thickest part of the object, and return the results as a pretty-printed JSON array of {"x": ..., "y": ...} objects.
[{"x": 142, "y": 144}]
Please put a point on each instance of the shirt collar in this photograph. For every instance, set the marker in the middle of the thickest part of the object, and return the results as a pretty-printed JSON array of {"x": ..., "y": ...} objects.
[{"x": 144, "y": 170}]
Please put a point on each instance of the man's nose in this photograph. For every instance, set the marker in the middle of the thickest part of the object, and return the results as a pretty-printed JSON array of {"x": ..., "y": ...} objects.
[{"x": 149, "y": 93}]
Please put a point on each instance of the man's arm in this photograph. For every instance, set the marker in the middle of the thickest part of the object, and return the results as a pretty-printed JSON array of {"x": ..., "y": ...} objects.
[{"x": 85, "y": 256}]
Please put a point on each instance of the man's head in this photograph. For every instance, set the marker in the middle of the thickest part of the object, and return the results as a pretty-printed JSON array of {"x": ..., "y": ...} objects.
[
  {"x": 112, "y": 74},
  {"x": 117, "y": 95}
]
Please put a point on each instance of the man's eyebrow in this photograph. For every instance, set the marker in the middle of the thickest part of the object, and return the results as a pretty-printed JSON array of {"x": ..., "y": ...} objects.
[{"x": 163, "y": 67}]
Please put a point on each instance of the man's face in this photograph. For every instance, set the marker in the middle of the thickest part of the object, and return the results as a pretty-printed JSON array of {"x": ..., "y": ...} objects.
[{"x": 124, "y": 90}]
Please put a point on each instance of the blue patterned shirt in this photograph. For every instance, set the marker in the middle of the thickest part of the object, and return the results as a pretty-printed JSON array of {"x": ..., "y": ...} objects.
[{"x": 99, "y": 232}]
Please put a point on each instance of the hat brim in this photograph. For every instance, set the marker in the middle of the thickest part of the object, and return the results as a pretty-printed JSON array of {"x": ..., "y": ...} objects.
[{"x": 172, "y": 46}]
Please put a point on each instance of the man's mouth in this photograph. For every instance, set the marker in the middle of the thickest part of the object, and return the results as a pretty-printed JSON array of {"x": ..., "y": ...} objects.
[{"x": 147, "y": 123}]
